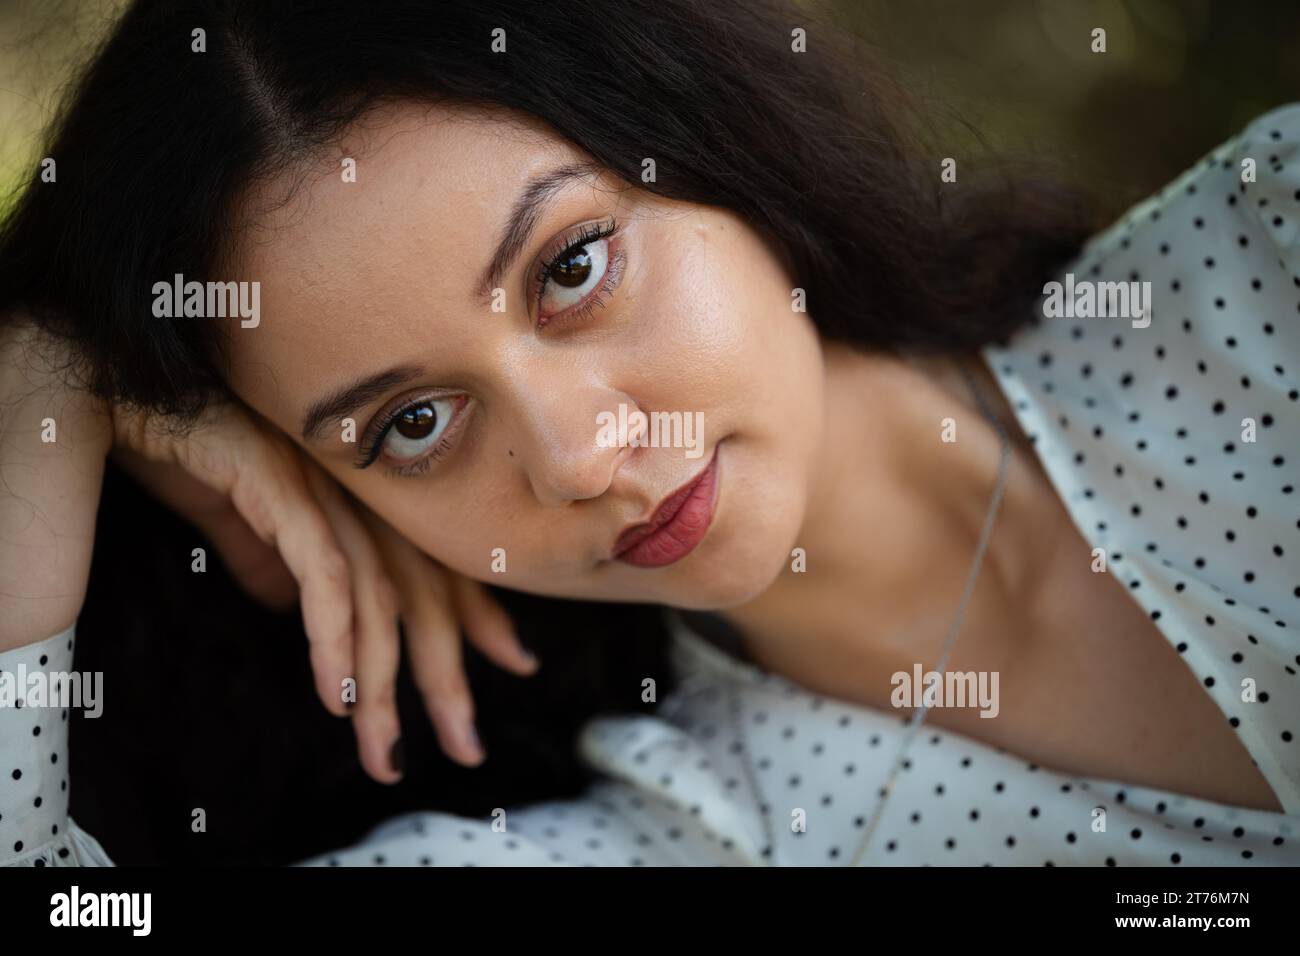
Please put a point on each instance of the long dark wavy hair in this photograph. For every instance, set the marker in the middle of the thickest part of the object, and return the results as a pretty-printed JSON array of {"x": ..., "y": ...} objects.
[{"x": 821, "y": 150}]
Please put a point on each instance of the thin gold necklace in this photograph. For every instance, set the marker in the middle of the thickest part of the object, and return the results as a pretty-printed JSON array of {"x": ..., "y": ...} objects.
[{"x": 920, "y": 713}]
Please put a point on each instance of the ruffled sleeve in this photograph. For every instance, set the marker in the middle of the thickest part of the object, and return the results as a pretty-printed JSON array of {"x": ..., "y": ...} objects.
[{"x": 38, "y": 690}]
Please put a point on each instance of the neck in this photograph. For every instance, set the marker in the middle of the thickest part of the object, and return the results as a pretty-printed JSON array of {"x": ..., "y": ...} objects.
[{"x": 893, "y": 519}]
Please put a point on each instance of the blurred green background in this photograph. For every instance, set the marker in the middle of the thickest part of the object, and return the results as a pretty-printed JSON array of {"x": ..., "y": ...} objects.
[{"x": 1178, "y": 77}]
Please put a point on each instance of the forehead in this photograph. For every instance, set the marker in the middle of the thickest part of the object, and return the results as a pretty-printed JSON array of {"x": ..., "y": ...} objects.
[{"x": 408, "y": 235}]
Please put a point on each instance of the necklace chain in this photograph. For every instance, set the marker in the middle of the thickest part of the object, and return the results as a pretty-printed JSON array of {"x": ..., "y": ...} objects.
[{"x": 920, "y": 713}]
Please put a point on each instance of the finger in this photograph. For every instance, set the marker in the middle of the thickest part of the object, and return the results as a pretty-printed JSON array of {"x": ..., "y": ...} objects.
[
  {"x": 377, "y": 647},
  {"x": 489, "y": 628},
  {"x": 433, "y": 643},
  {"x": 262, "y": 475},
  {"x": 270, "y": 491},
  {"x": 438, "y": 669},
  {"x": 255, "y": 565}
]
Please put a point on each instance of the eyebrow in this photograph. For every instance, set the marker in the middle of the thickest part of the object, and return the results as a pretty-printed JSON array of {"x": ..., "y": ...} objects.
[
  {"x": 333, "y": 407},
  {"x": 527, "y": 212}
]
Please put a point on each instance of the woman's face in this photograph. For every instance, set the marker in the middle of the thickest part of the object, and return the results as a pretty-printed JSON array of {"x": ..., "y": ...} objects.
[{"x": 490, "y": 421}]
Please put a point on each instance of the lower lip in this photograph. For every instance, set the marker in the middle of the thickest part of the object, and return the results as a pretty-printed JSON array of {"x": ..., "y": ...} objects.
[{"x": 679, "y": 536}]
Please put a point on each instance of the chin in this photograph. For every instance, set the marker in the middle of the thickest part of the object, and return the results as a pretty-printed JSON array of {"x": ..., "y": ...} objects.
[{"x": 735, "y": 570}]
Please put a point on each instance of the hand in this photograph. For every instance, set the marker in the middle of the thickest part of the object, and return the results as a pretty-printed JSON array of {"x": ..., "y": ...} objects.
[
  {"x": 255, "y": 565},
  {"x": 281, "y": 523},
  {"x": 230, "y": 462},
  {"x": 392, "y": 580}
]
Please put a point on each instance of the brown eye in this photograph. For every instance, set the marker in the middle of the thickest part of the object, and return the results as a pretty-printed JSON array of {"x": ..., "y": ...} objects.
[
  {"x": 416, "y": 422},
  {"x": 575, "y": 276},
  {"x": 416, "y": 429},
  {"x": 573, "y": 270}
]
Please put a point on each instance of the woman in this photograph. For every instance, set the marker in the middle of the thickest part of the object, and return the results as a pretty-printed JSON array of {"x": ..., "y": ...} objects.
[{"x": 478, "y": 239}]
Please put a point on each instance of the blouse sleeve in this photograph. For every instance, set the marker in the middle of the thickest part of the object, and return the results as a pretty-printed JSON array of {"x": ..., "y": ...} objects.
[
  {"x": 1173, "y": 437},
  {"x": 38, "y": 690}
]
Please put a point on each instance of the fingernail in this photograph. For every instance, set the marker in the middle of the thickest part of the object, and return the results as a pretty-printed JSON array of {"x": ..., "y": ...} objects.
[
  {"x": 397, "y": 756},
  {"x": 471, "y": 738}
]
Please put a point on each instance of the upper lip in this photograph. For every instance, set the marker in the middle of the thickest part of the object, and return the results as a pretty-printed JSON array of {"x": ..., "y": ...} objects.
[{"x": 634, "y": 534}]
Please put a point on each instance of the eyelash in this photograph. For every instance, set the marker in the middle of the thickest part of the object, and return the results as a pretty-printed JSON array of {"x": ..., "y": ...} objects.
[
  {"x": 598, "y": 298},
  {"x": 421, "y": 466},
  {"x": 373, "y": 446}
]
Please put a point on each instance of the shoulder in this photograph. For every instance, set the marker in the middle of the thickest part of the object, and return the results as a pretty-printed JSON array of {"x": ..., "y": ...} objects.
[
  {"x": 1163, "y": 367},
  {"x": 1172, "y": 433}
]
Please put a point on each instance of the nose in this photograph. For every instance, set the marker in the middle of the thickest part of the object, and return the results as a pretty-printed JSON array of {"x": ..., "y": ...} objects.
[{"x": 566, "y": 453}]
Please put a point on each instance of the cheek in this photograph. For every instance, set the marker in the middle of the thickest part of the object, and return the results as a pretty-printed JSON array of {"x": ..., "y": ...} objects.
[
  {"x": 726, "y": 334},
  {"x": 705, "y": 321},
  {"x": 409, "y": 505},
  {"x": 463, "y": 522}
]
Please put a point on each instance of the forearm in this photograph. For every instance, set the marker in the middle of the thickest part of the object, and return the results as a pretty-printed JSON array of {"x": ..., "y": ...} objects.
[{"x": 53, "y": 443}]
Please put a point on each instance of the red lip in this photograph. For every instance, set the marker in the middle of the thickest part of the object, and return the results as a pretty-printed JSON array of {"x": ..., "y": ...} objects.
[{"x": 677, "y": 526}]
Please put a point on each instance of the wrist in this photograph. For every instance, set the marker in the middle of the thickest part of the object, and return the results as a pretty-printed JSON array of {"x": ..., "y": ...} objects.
[{"x": 53, "y": 443}]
